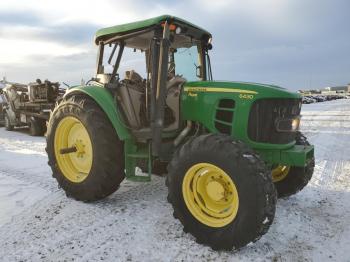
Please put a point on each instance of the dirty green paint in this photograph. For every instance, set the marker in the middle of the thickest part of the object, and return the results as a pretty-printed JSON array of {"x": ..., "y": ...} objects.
[{"x": 107, "y": 103}]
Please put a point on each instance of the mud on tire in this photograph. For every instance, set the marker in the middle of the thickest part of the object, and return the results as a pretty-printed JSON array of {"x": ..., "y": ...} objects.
[{"x": 257, "y": 195}]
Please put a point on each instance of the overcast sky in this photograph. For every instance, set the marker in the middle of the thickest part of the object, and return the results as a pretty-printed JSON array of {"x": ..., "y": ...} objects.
[{"x": 297, "y": 44}]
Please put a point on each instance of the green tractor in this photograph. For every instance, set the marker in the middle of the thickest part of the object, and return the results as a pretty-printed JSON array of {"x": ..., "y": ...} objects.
[{"x": 230, "y": 148}]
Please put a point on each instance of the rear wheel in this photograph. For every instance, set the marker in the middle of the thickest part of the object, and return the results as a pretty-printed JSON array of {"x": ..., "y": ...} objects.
[
  {"x": 8, "y": 125},
  {"x": 85, "y": 154},
  {"x": 221, "y": 191},
  {"x": 289, "y": 180}
]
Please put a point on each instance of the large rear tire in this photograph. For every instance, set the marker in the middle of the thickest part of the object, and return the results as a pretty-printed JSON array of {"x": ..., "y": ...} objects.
[
  {"x": 221, "y": 191},
  {"x": 91, "y": 165},
  {"x": 290, "y": 180}
]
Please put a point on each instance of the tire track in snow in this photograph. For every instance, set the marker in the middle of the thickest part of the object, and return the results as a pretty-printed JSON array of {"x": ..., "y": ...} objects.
[
  {"x": 38, "y": 179},
  {"x": 83, "y": 222}
]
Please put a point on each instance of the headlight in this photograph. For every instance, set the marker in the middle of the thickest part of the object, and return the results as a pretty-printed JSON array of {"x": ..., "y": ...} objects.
[
  {"x": 295, "y": 124},
  {"x": 288, "y": 125}
]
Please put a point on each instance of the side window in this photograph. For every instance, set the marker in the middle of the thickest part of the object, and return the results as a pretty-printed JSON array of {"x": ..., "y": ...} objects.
[
  {"x": 131, "y": 60},
  {"x": 108, "y": 68}
]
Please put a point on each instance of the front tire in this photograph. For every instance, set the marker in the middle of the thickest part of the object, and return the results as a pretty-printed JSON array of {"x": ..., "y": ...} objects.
[
  {"x": 221, "y": 192},
  {"x": 91, "y": 165},
  {"x": 293, "y": 179}
]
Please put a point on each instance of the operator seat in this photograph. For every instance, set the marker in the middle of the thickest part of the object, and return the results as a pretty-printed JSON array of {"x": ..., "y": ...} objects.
[
  {"x": 174, "y": 86},
  {"x": 130, "y": 91}
]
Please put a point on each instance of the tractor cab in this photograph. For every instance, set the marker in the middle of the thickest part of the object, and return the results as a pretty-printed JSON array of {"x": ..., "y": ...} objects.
[
  {"x": 186, "y": 43},
  {"x": 160, "y": 55}
]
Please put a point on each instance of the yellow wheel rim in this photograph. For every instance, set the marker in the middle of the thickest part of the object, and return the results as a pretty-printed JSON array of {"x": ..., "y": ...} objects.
[
  {"x": 279, "y": 173},
  {"x": 210, "y": 195},
  {"x": 75, "y": 166}
]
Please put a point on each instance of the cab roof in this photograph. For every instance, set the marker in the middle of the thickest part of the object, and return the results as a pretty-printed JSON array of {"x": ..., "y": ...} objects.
[{"x": 123, "y": 29}]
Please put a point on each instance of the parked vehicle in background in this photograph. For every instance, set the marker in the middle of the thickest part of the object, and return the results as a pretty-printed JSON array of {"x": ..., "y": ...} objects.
[
  {"x": 333, "y": 97},
  {"x": 321, "y": 98},
  {"x": 306, "y": 100},
  {"x": 29, "y": 105}
]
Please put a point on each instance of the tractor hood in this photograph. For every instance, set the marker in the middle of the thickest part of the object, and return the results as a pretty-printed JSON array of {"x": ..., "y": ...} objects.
[
  {"x": 227, "y": 107},
  {"x": 255, "y": 89}
]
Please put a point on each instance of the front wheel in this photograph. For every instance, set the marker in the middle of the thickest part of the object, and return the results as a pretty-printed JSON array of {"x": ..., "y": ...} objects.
[
  {"x": 289, "y": 180},
  {"x": 221, "y": 191},
  {"x": 85, "y": 153}
]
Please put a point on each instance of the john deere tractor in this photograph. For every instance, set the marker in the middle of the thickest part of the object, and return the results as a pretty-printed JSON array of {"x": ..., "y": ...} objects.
[{"x": 230, "y": 148}]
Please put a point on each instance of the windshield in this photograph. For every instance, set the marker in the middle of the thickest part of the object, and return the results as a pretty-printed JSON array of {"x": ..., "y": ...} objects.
[{"x": 186, "y": 63}]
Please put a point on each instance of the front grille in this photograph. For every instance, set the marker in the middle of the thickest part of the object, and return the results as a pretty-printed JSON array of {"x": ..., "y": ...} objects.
[
  {"x": 263, "y": 116},
  {"x": 224, "y": 116}
]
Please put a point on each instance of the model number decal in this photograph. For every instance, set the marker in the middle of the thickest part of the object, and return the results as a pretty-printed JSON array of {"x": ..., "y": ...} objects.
[
  {"x": 219, "y": 90},
  {"x": 246, "y": 96}
]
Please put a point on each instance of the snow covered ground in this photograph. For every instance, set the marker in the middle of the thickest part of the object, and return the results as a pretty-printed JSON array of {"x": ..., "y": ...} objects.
[{"x": 38, "y": 222}]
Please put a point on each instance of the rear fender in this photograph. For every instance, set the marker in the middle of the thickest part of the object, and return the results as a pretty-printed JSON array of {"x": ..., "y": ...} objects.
[{"x": 105, "y": 100}]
